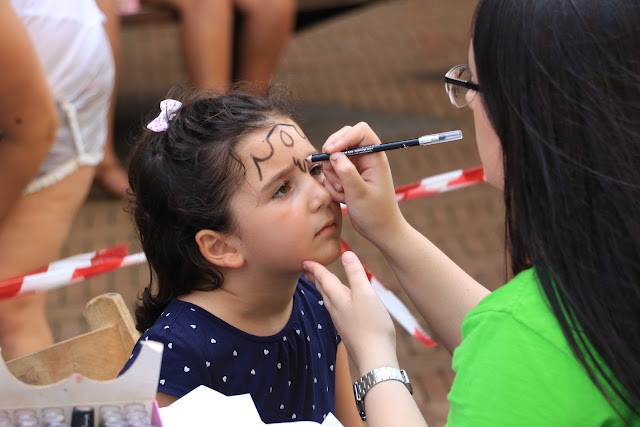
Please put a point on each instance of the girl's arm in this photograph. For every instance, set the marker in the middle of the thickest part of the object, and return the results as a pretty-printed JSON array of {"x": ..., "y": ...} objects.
[
  {"x": 346, "y": 411},
  {"x": 165, "y": 399},
  {"x": 441, "y": 291},
  {"x": 28, "y": 116}
]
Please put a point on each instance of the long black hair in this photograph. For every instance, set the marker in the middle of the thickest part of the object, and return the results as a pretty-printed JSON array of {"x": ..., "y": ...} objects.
[
  {"x": 181, "y": 181},
  {"x": 560, "y": 81}
]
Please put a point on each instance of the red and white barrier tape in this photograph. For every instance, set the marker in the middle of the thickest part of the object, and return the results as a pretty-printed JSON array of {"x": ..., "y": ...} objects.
[
  {"x": 80, "y": 267},
  {"x": 436, "y": 184},
  {"x": 69, "y": 270},
  {"x": 396, "y": 308}
]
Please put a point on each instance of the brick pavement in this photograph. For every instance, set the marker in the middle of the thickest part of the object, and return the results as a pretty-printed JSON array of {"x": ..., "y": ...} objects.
[{"x": 382, "y": 64}]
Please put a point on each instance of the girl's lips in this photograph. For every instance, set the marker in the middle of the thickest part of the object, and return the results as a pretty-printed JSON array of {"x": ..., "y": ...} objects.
[{"x": 327, "y": 229}]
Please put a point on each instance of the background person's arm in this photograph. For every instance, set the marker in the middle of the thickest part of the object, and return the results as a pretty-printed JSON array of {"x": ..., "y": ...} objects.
[{"x": 28, "y": 116}]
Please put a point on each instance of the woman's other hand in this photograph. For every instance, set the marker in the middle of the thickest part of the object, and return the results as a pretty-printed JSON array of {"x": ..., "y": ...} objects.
[
  {"x": 358, "y": 313},
  {"x": 363, "y": 183}
]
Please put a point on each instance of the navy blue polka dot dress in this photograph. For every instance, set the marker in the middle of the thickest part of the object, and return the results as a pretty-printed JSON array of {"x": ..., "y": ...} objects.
[{"x": 290, "y": 375}]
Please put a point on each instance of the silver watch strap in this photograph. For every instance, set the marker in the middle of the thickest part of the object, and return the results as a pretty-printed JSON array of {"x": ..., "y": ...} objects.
[{"x": 368, "y": 380}]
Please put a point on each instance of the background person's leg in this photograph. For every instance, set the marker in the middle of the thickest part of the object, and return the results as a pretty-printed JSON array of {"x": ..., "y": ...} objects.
[
  {"x": 266, "y": 28},
  {"x": 207, "y": 38},
  {"x": 110, "y": 175},
  {"x": 31, "y": 236}
]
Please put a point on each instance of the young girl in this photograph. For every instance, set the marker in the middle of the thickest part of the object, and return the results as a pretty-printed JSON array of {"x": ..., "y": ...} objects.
[{"x": 227, "y": 210}]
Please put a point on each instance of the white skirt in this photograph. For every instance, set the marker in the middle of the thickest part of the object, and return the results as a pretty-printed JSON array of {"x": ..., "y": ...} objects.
[{"x": 77, "y": 58}]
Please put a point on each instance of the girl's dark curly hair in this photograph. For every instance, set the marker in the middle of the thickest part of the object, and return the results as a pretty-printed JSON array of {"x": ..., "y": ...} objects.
[{"x": 182, "y": 180}]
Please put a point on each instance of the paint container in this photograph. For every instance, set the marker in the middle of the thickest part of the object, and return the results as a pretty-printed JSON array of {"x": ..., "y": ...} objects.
[
  {"x": 113, "y": 420},
  {"x": 24, "y": 413},
  {"x": 130, "y": 407},
  {"x": 52, "y": 416},
  {"x": 25, "y": 417},
  {"x": 137, "y": 415},
  {"x": 82, "y": 416},
  {"x": 110, "y": 409}
]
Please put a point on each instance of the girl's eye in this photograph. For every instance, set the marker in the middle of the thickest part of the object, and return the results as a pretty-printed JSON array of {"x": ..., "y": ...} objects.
[
  {"x": 283, "y": 190},
  {"x": 316, "y": 169}
]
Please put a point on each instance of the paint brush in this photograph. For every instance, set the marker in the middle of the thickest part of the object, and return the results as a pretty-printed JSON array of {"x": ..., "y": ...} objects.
[{"x": 435, "y": 138}]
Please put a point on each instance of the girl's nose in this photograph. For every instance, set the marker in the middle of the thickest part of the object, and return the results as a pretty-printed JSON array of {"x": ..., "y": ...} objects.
[{"x": 319, "y": 195}]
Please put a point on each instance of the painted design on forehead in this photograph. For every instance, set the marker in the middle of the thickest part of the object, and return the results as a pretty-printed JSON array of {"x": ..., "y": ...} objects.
[
  {"x": 282, "y": 131},
  {"x": 301, "y": 164},
  {"x": 285, "y": 137},
  {"x": 257, "y": 160}
]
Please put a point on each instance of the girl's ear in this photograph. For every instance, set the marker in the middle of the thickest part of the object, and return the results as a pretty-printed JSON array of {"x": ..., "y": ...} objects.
[{"x": 217, "y": 249}]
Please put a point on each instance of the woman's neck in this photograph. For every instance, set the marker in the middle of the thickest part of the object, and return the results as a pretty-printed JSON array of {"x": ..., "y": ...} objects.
[{"x": 259, "y": 305}]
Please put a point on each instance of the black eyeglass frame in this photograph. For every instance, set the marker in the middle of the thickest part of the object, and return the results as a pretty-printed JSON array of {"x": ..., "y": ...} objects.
[{"x": 457, "y": 82}]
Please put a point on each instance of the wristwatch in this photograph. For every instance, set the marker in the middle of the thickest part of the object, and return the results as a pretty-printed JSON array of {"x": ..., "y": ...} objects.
[{"x": 368, "y": 380}]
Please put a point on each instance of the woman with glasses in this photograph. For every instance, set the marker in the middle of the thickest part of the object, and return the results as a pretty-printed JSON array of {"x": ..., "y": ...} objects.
[{"x": 554, "y": 86}]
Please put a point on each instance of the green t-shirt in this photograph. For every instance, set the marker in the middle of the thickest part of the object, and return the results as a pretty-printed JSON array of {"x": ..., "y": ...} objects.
[{"x": 515, "y": 368}]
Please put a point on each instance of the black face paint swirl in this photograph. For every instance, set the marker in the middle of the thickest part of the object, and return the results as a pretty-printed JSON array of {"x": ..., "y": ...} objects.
[{"x": 286, "y": 139}]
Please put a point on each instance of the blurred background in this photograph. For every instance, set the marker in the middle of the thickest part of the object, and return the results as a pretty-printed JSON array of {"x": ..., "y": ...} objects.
[{"x": 379, "y": 61}]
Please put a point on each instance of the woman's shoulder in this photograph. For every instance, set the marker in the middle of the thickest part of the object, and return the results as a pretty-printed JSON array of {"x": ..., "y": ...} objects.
[
  {"x": 521, "y": 297},
  {"x": 522, "y": 306},
  {"x": 514, "y": 359}
]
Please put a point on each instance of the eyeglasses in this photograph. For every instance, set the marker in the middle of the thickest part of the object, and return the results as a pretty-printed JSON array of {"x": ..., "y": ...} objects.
[{"x": 459, "y": 81}]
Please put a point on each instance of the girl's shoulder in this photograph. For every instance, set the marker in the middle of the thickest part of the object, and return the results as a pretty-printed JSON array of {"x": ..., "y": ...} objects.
[
  {"x": 308, "y": 288},
  {"x": 184, "y": 320},
  {"x": 307, "y": 297},
  {"x": 311, "y": 312}
]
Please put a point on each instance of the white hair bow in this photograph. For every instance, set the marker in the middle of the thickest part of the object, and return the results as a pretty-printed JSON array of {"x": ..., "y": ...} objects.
[{"x": 168, "y": 109}]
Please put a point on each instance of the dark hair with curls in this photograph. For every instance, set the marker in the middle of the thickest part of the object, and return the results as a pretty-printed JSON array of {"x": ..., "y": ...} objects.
[
  {"x": 182, "y": 180},
  {"x": 560, "y": 82}
]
